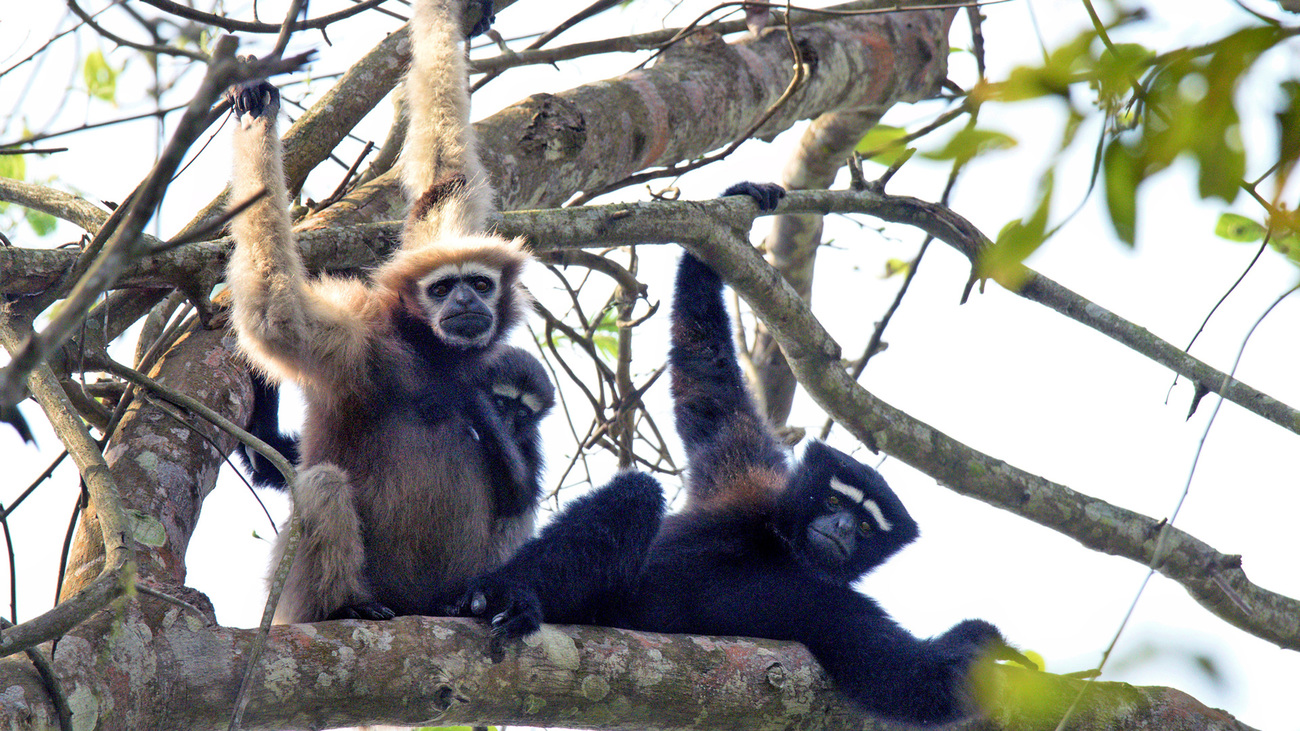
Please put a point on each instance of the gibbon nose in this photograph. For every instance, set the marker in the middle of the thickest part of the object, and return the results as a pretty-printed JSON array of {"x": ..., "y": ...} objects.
[{"x": 845, "y": 526}]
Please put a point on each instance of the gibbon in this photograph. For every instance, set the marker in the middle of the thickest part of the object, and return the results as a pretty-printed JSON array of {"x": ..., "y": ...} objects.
[
  {"x": 419, "y": 452},
  {"x": 761, "y": 549}
]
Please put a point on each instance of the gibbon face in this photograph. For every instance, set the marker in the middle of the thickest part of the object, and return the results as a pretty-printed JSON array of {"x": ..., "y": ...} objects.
[
  {"x": 846, "y": 520},
  {"x": 460, "y": 302}
]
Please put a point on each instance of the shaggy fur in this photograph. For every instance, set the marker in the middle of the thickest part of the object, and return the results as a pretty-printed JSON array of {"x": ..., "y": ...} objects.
[{"x": 416, "y": 472}]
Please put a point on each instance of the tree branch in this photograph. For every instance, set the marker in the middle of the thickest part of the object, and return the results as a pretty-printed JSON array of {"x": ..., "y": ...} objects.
[
  {"x": 116, "y": 543},
  {"x": 334, "y": 674},
  {"x": 540, "y": 151},
  {"x": 29, "y": 271}
]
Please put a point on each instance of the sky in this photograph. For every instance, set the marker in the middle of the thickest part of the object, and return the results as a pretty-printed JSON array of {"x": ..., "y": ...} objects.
[{"x": 1001, "y": 374}]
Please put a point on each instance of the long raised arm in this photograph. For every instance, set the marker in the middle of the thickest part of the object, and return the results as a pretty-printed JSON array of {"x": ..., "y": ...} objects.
[
  {"x": 292, "y": 327},
  {"x": 721, "y": 428},
  {"x": 441, "y": 172}
]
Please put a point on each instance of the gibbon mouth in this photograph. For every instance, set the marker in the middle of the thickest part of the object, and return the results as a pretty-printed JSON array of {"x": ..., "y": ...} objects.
[
  {"x": 828, "y": 543},
  {"x": 467, "y": 324}
]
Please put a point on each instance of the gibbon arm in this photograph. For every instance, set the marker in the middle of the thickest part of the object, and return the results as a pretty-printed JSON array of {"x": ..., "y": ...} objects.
[
  {"x": 294, "y": 328},
  {"x": 721, "y": 428},
  {"x": 440, "y": 142}
]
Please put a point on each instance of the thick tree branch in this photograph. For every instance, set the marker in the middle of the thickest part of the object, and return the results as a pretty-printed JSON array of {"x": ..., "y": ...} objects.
[
  {"x": 1214, "y": 579},
  {"x": 28, "y": 271},
  {"x": 715, "y": 232},
  {"x": 341, "y": 673},
  {"x": 794, "y": 238},
  {"x": 54, "y": 202},
  {"x": 542, "y": 150}
]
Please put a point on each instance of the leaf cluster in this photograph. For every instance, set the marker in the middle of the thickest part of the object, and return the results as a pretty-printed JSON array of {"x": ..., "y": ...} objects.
[{"x": 1155, "y": 109}]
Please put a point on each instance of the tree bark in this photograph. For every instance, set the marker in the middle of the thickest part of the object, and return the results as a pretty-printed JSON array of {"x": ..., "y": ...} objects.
[
  {"x": 154, "y": 665},
  {"x": 695, "y": 99}
]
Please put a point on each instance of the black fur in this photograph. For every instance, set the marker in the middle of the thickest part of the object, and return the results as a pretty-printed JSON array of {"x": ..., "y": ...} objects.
[
  {"x": 264, "y": 423},
  {"x": 487, "y": 15},
  {"x": 761, "y": 550},
  {"x": 583, "y": 563}
]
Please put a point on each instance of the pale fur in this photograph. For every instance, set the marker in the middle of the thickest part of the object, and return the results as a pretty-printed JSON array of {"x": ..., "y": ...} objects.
[
  {"x": 329, "y": 568},
  {"x": 440, "y": 140},
  {"x": 394, "y": 507},
  {"x": 311, "y": 331}
]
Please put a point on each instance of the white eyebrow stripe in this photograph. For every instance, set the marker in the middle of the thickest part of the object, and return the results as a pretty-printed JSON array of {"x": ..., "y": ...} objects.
[
  {"x": 848, "y": 491},
  {"x": 860, "y": 498},
  {"x": 530, "y": 400},
  {"x": 876, "y": 513}
]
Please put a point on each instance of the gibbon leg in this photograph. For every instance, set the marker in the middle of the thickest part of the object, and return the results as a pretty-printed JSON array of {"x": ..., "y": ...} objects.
[{"x": 328, "y": 569}]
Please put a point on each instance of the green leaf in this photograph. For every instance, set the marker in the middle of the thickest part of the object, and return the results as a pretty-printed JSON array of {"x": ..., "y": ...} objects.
[
  {"x": 1116, "y": 70},
  {"x": 41, "y": 222},
  {"x": 605, "y": 338},
  {"x": 1288, "y": 126},
  {"x": 101, "y": 78},
  {"x": 1003, "y": 262},
  {"x": 880, "y": 144},
  {"x": 1051, "y": 79},
  {"x": 13, "y": 166},
  {"x": 894, "y": 267},
  {"x": 1123, "y": 174},
  {"x": 1223, "y": 164},
  {"x": 1238, "y": 228},
  {"x": 968, "y": 143}
]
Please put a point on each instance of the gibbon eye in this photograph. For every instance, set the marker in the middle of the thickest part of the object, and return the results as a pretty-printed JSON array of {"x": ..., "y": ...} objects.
[
  {"x": 482, "y": 285},
  {"x": 832, "y": 502},
  {"x": 439, "y": 289},
  {"x": 864, "y": 527}
]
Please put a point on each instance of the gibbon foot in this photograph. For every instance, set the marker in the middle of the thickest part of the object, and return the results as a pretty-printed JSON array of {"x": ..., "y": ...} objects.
[
  {"x": 514, "y": 608},
  {"x": 366, "y": 610}
]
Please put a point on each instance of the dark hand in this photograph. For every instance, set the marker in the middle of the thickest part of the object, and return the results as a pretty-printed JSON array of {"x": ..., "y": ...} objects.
[
  {"x": 765, "y": 195},
  {"x": 513, "y": 608},
  {"x": 976, "y": 638},
  {"x": 486, "y": 16},
  {"x": 366, "y": 610},
  {"x": 258, "y": 98}
]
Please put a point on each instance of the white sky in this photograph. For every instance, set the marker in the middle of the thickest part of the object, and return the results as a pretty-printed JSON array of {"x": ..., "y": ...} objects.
[{"x": 1001, "y": 374}]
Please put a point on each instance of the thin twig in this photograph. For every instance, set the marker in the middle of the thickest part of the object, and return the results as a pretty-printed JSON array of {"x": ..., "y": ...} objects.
[
  {"x": 1262, "y": 248},
  {"x": 242, "y": 26}
]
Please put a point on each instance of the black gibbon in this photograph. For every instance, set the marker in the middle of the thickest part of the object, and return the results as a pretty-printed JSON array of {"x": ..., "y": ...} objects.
[
  {"x": 762, "y": 549},
  {"x": 419, "y": 452}
]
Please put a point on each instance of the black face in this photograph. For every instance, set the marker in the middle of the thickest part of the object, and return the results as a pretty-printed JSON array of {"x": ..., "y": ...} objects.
[
  {"x": 462, "y": 306},
  {"x": 840, "y": 516}
]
